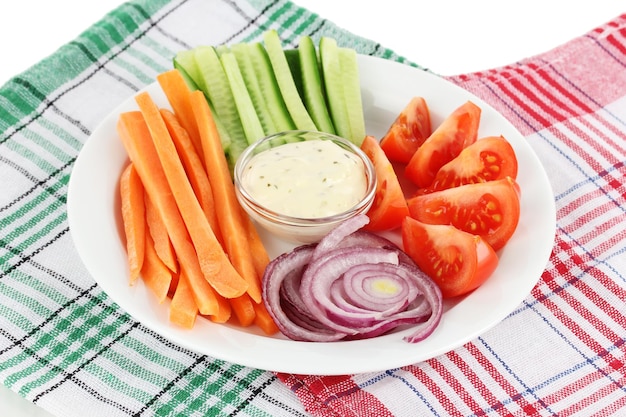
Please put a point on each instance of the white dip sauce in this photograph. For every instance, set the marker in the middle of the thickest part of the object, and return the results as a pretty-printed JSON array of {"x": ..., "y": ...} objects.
[{"x": 309, "y": 179}]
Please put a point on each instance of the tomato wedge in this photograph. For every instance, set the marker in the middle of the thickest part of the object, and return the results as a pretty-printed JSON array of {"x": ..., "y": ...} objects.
[
  {"x": 389, "y": 207},
  {"x": 488, "y": 159},
  {"x": 407, "y": 133},
  {"x": 457, "y": 261},
  {"x": 458, "y": 131},
  {"x": 489, "y": 209}
]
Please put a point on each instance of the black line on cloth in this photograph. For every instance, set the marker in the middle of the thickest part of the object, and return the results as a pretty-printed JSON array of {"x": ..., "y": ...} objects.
[
  {"x": 260, "y": 392},
  {"x": 37, "y": 183},
  {"x": 99, "y": 66},
  {"x": 21, "y": 340},
  {"x": 274, "y": 401},
  {"x": 70, "y": 376},
  {"x": 251, "y": 21},
  {"x": 161, "y": 31},
  {"x": 24, "y": 259},
  {"x": 169, "y": 385},
  {"x": 253, "y": 394}
]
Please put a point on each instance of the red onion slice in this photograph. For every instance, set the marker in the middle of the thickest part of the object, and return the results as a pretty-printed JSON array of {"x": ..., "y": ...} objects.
[{"x": 353, "y": 284}]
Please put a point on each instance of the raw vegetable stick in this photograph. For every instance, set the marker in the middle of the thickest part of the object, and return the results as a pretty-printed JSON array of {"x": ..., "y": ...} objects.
[
  {"x": 194, "y": 168},
  {"x": 183, "y": 308},
  {"x": 228, "y": 208},
  {"x": 133, "y": 217},
  {"x": 175, "y": 88},
  {"x": 225, "y": 310},
  {"x": 215, "y": 265},
  {"x": 243, "y": 307},
  {"x": 159, "y": 236},
  {"x": 136, "y": 138},
  {"x": 259, "y": 255},
  {"x": 155, "y": 274},
  {"x": 263, "y": 319}
]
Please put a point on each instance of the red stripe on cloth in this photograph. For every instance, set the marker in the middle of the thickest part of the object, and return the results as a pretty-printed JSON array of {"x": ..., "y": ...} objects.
[
  {"x": 592, "y": 393},
  {"x": 479, "y": 384},
  {"x": 434, "y": 388},
  {"x": 499, "y": 378},
  {"x": 334, "y": 396},
  {"x": 457, "y": 386}
]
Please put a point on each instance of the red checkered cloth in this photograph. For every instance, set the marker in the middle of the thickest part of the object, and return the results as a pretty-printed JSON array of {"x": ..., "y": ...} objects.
[{"x": 561, "y": 352}]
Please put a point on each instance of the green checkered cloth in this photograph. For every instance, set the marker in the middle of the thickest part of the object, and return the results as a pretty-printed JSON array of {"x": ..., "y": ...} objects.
[{"x": 64, "y": 344}]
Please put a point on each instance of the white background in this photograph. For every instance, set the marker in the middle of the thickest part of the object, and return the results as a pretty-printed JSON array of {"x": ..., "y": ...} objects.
[{"x": 448, "y": 36}]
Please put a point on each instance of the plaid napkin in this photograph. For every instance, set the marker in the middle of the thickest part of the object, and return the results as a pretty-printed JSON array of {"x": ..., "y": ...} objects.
[{"x": 67, "y": 347}]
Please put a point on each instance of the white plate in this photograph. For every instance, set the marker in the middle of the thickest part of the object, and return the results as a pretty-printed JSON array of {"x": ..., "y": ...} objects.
[{"x": 386, "y": 88}]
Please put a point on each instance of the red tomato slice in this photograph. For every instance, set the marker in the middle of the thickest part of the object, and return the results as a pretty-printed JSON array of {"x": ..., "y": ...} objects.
[
  {"x": 407, "y": 133},
  {"x": 489, "y": 209},
  {"x": 389, "y": 207},
  {"x": 457, "y": 261},
  {"x": 488, "y": 159},
  {"x": 458, "y": 131}
]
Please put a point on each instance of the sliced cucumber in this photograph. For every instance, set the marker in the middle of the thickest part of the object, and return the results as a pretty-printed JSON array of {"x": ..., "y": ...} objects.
[
  {"x": 186, "y": 65},
  {"x": 312, "y": 87},
  {"x": 244, "y": 60},
  {"x": 333, "y": 84},
  {"x": 269, "y": 88},
  {"x": 245, "y": 107},
  {"x": 214, "y": 83},
  {"x": 293, "y": 60},
  {"x": 352, "y": 94},
  {"x": 286, "y": 83}
]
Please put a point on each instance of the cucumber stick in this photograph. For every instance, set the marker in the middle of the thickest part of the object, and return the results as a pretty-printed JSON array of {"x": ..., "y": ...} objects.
[
  {"x": 312, "y": 87},
  {"x": 333, "y": 83},
  {"x": 214, "y": 82},
  {"x": 352, "y": 94},
  {"x": 186, "y": 65},
  {"x": 269, "y": 87},
  {"x": 250, "y": 122},
  {"x": 241, "y": 51},
  {"x": 343, "y": 91},
  {"x": 286, "y": 83}
]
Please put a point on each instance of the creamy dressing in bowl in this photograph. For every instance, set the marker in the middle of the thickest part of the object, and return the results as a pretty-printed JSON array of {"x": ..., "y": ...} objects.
[{"x": 308, "y": 179}]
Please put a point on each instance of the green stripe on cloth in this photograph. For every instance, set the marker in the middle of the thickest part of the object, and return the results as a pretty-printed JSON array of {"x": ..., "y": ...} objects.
[{"x": 64, "y": 344}]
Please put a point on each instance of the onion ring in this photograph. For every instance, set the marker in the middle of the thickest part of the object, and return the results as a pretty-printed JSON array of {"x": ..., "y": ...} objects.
[{"x": 352, "y": 284}]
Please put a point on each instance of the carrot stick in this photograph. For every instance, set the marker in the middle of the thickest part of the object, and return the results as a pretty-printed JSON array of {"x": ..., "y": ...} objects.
[
  {"x": 177, "y": 92},
  {"x": 133, "y": 217},
  {"x": 228, "y": 209},
  {"x": 159, "y": 236},
  {"x": 264, "y": 320},
  {"x": 224, "y": 312},
  {"x": 194, "y": 168},
  {"x": 155, "y": 274},
  {"x": 259, "y": 255},
  {"x": 243, "y": 307},
  {"x": 183, "y": 308},
  {"x": 215, "y": 265},
  {"x": 136, "y": 138}
]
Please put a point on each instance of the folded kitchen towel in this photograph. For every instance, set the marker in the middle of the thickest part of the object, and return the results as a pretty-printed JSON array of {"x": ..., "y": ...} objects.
[{"x": 66, "y": 346}]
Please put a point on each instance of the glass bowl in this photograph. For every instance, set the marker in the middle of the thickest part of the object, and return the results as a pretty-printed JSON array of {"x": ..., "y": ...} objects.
[{"x": 289, "y": 227}]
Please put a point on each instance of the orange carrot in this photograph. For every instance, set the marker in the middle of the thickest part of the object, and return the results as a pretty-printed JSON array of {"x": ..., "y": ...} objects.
[
  {"x": 133, "y": 217},
  {"x": 228, "y": 209},
  {"x": 159, "y": 236},
  {"x": 264, "y": 320},
  {"x": 136, "y": 138},
  {"x": 183, "y": 308},
  {"x": 155, "y": 274},
  {"x": 215, "y": 265},
  {"x": 224, "y": 312},
  {"x": 194, "y": 168},
  {"x": 259, "y": 255},
  {"x": 177, "y": 92},
  {"x": 243, "y": 307}
]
